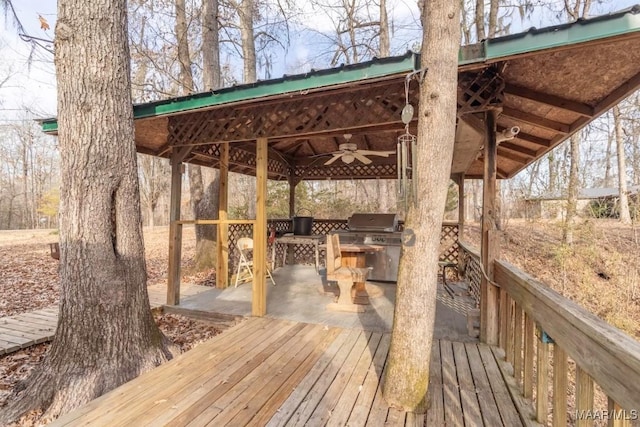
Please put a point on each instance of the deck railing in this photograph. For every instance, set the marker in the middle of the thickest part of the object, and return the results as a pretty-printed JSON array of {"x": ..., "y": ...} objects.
[
  {"x": 470, "y": 268},
  {"x": 540, "y": 331}
]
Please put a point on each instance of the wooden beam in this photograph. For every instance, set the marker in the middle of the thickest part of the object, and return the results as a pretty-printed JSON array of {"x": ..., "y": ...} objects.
[
  {"x": 512, "y": 156},
  {"x": 523, "y": 151},
  {"x": 551, "y": 100},
  {"x": 489, "y": 294},
  {"x": 618, "y": 94},
  {"x": 536, "y": 120},
  {"x": 259, "y": 291},
  {"x": 175, "y": 230},
  {"x": 222, "y": 245},
  {"x": 536, "y": 140}
]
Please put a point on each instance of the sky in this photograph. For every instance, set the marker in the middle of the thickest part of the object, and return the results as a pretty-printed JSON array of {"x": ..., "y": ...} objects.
[{"x": 30, "y": 90}]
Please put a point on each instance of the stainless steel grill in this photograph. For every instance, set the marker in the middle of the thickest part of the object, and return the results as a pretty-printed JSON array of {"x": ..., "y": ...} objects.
[{"x": 377, "y": 229}]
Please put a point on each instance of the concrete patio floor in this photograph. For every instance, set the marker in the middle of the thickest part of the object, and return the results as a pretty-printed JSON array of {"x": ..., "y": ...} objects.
[{"x": 302, "y": 295}]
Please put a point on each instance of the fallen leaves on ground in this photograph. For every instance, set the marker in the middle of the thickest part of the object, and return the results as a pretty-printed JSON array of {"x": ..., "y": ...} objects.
[{"x": 184, "y": 332}]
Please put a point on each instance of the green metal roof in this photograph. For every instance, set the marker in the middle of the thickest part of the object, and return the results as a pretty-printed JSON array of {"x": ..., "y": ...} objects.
[{"x": 615, "y": 24}]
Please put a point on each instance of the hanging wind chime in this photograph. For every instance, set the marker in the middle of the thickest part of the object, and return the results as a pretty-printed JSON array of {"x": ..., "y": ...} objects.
[{"x": 406, "y": 155}]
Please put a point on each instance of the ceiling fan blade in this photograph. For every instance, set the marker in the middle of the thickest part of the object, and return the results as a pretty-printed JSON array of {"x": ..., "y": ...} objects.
[
  {"x": 376, "y": 153},
  {"x": 335, "y": 157},
  {"x": 358, "y": 155}
]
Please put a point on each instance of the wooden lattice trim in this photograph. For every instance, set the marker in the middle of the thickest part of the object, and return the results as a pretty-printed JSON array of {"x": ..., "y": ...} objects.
[
  {"x": 343, "y": 171},
  {"x": 480, "y": 91},
  {"x": 302, "y": 116}
]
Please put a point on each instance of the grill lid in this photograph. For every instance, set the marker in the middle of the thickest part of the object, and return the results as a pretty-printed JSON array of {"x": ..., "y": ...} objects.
[{"x": 373, "y": 222}]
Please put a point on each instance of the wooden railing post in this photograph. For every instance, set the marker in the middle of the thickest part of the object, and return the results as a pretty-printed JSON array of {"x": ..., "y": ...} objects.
[
  {"x": 517, "y": 344},
  {"x": 618, "y": 417},
  {"x": 559, "y": 387},
  {"x": 527, "y": 383},
  {"x": 584, "y": 398},
  {"x": 542, "y": 382}
]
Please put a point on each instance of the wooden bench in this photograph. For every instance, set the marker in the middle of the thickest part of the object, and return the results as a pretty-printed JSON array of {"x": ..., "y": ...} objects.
[{"x": 345, "y": 276}]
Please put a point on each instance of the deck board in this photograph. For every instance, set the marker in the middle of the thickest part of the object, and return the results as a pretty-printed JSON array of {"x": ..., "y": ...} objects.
[
  {"x": 274, "y": 372},
  {"x": 35, "y": 327}
]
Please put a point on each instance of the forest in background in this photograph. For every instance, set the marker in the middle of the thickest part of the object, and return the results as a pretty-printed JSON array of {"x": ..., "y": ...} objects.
[{"x": 169, "y": 43}]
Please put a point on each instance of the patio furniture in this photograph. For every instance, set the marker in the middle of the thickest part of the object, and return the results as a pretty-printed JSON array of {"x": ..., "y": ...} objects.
[
  {"x": 346, "y": 276},
  {"x": 245, "y": 263},
  {"x": 287, "y": 240}
]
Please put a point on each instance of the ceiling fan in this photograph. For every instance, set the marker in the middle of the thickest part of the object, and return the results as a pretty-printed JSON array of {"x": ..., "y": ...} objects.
[{"x": 349, "y": 152}]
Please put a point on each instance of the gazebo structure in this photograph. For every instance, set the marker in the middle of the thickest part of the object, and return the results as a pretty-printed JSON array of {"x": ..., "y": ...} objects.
[{"x": 549, "y": 83}]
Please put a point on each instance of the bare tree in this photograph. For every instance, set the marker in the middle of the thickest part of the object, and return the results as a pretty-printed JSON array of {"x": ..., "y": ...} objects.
[
  {"x": 102, "y": 267},
  {"x": 580, "y": 9},
  {"x": 625, "y": 216},
  {"x": 407, "y": 374},
  {"x": 574, "y": 188}
]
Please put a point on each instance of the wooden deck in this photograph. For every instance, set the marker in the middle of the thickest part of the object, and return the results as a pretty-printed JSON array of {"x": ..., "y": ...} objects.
[
  {"x": 278, "y": 372},
  {"x": 35, "y": 327}
]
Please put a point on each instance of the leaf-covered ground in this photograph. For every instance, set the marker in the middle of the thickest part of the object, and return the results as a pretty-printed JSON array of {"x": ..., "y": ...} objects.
[{"x": 29, "y": 281}]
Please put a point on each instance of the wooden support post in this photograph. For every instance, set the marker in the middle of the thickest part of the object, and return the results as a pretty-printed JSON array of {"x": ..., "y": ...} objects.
[
  {"x": 489, "y": 293},
  {"x": 259, "y": 295},
  {"x": 222, "y": 245},
  {"x": 559, "y": 387},
  {"x": 618, "y": 417},
  {"x": 584, "y": 398},
  {"x": 461, "y": 220},
  {"x": 175, "y": 230},
  {"x": 517, "y": 345},
  {"x": 461, "y": 203},
  {"x": 542, "y": 383},
  {"x": 527, "y": 383}
]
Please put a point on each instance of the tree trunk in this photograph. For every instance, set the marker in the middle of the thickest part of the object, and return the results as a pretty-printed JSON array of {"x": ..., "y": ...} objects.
[
  {"x": 574, "y": 188},
  {"x": 608, "y": 179},
  {"x": 480, "y": 20},
  {"x": 493, "y": 18},
  {"x": 385, "y": 49},
  {"x": 106, "y": 334},
  {"x": 245, "y": 12},
  {"x": 625, "y": 216},
  {"x": 210, "y": 45},
  {"x": 407, "y": 374}
]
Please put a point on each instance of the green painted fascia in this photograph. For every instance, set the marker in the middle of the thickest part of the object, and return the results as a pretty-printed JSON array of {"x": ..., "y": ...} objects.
[
  {"x": 298, "y": 83},
  {"x": 574, "y": 33},
  {"x": 617, "y": 24}
]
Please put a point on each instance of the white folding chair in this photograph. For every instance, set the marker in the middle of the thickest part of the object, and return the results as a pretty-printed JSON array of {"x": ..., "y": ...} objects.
[{"x": 245, "y": 263}]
